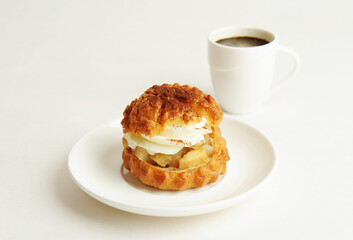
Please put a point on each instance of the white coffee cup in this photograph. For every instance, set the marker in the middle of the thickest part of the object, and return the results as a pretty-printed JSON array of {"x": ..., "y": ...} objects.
[{"x": 242, "y": 76}]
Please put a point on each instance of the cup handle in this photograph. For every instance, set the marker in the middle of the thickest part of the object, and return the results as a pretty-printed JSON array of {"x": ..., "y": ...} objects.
[{"x": 292, "y": 73}]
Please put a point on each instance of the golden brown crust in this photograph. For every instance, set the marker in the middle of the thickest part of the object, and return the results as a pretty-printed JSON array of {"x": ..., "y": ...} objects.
[
  {"x": 160, "y": 104},
  {"x": 151, "y": 112},
  {"x": 176, "y": 179}
]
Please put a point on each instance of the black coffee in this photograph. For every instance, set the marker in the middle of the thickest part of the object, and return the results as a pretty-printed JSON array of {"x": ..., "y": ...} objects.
[{"x": 242, "y": 41}]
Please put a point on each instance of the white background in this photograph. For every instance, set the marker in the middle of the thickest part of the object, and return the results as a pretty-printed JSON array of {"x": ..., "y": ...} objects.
[{"x": 69, "y": 66}]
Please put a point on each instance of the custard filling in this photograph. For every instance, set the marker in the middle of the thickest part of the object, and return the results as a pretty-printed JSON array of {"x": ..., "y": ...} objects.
[
  {"x": 172, "y": 139},
  {"x": 187, "y": 157}
]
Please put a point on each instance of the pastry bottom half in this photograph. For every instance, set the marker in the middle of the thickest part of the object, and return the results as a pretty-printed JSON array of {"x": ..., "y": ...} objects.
[{"x": 180, "y": 179}]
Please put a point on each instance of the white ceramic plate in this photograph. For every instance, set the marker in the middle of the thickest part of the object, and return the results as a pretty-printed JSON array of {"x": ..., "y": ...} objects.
[{"x": 95, "y": 165}]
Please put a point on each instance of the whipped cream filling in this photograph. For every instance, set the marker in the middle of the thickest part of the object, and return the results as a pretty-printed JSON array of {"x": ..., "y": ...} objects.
[{"x": 171, "y": 140}]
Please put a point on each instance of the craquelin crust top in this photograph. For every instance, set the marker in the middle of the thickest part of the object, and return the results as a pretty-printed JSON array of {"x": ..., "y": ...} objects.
[{"x": 165, "y": 103}]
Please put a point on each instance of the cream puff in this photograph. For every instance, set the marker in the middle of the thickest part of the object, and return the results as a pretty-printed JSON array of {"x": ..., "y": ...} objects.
[{"x": 172, "y": 139}]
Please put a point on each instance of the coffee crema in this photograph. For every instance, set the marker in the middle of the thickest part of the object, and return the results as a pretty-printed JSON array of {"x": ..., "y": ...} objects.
[{"x": 242, "y": 41}]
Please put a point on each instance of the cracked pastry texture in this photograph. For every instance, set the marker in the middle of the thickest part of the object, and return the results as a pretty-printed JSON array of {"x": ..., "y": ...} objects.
[
  {"x": 168, "y": 104},
  {"x": 159, "y": 105}
]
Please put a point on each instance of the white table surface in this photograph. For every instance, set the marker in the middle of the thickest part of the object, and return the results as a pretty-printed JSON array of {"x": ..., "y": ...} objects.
[{"x": 69, "y": 66}]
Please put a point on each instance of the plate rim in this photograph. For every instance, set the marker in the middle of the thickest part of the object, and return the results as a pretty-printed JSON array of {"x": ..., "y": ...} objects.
[{"x": 177, "y": 211}]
